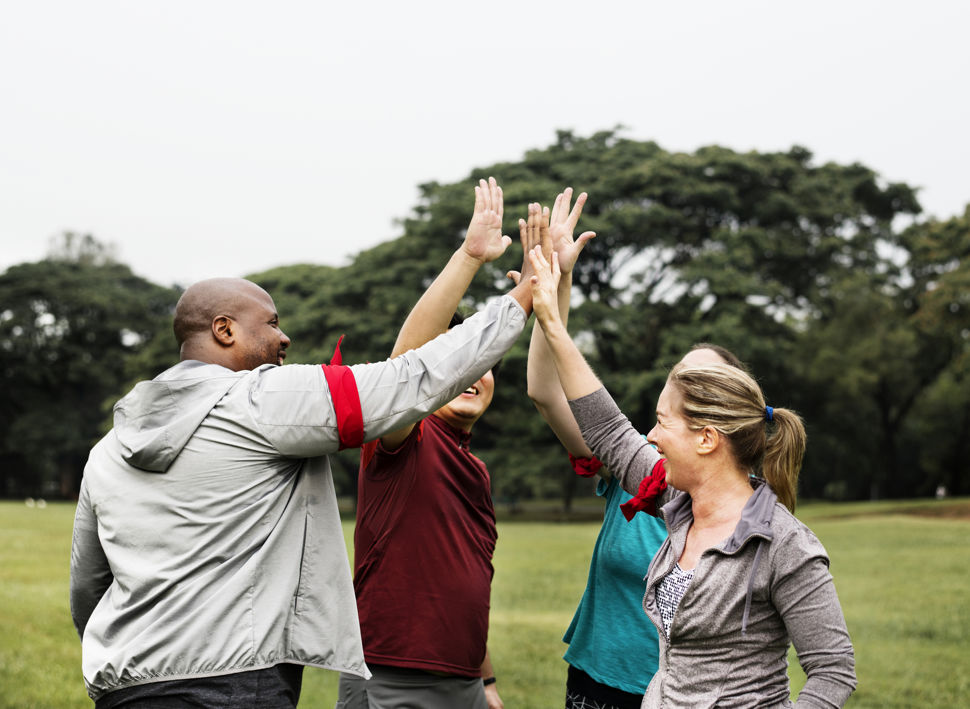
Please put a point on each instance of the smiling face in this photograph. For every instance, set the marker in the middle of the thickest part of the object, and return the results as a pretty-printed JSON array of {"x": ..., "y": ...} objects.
[
  {"x": 465, "y": 409},
  {"x": 673, "y": 439},
  {"x": 675, "y": 442},
  {"x": 256, "y": 328}
]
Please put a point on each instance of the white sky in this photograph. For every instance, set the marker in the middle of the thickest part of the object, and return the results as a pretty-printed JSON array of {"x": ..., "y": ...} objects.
[{"x": 221, "y": 138}]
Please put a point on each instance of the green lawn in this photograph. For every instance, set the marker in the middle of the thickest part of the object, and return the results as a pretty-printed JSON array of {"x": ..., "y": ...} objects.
[{"x": 901, "y": 578}]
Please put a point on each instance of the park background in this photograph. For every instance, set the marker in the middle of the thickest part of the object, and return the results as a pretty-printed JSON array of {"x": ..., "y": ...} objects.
[{"x": 788, "y": 182}]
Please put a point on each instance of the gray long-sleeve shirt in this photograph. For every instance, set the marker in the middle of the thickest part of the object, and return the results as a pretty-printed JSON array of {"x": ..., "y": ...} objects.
[{"x": 768, "y": 585}]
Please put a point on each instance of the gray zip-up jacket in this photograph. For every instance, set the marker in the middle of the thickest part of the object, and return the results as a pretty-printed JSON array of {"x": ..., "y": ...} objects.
[
  {"x": 207, "y": 538},
  {"x": 768, "y": 585}
]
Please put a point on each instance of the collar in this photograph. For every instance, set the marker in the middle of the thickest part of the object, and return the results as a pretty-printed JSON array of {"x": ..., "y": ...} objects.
[
  {"x": 461, "y": 437},
  {"x": 755, "y": 515}
]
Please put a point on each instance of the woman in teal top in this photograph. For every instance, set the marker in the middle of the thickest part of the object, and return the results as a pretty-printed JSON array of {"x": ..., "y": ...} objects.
[
  {"x": 609, "y": 622},
  {"x": 612, "y": 652}
]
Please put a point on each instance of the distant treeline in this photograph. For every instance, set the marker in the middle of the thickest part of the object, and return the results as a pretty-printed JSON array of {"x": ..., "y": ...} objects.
[{"x": 846, "y": 305}]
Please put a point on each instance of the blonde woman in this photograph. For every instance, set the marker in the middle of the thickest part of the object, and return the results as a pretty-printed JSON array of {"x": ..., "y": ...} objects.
[{"x": 739, "y": 578}]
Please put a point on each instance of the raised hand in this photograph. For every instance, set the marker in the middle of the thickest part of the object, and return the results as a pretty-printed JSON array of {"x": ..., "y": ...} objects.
[
  {"x": 533, "y": 232},
  {"x": 484, "y": 240},
  {"x": 545, "y": 286},
  {"x": 562, "y": 223}
]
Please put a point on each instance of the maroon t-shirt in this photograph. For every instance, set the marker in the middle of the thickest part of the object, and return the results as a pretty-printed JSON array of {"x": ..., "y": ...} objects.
[{"x": 423, "y": 552}]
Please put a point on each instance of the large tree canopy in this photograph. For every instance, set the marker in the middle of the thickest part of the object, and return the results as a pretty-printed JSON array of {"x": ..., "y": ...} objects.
[
  {"x": 769, "y": 254},
  {"x": 821, "y": 277}
]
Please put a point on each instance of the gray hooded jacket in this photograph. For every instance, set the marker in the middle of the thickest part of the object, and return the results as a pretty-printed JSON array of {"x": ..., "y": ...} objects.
[
  {"x": 767, "y": 586},
  {"x": 207, "y": 538}
]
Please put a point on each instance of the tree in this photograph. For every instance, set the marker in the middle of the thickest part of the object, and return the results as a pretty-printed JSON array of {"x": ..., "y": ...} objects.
[
  {"x": 69, "y": 324},
  {"x": 938, "y": 297}
]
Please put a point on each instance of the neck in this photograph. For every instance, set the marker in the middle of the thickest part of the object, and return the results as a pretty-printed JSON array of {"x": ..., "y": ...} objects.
[
  {"x": 455, "y": 422},
  {"x": 720, "y": 498}
]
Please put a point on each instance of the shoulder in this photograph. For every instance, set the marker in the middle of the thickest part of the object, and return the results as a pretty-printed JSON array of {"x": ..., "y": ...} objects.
[
  {"x": 295, "y": 377},
  {"x": 792, "y": 540}
]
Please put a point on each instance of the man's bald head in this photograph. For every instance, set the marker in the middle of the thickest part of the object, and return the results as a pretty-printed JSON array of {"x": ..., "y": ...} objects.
[
  {"x": 229, "y": 321},
  {"x": 202, "y": 302}
]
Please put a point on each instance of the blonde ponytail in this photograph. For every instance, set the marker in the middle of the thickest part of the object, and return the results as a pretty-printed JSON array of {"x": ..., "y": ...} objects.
[{"x": 782, "y": 461}]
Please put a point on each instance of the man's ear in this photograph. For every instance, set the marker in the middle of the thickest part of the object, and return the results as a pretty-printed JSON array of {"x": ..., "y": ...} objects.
[
  {"x": 222, "y": 330},
  {"x": 708, "y": 440}
]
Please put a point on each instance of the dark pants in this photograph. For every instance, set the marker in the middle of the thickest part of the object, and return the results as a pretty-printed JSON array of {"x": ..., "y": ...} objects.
[
  {"x": 584, "y": 692},
  {"x": 403, "y": 688},
  {"x": 271, "y": 688}
]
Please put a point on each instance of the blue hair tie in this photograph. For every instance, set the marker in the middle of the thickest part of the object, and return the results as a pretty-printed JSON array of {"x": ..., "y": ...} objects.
[{"x": 769, "y": 414}]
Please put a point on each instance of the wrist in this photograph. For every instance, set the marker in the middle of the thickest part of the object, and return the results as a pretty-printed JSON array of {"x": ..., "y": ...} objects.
[
  {"x": 470, "y": 259},
  {"x": 488, "y": 680}
]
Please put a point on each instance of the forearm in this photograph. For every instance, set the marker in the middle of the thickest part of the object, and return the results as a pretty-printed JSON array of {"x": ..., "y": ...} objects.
[
  {"x": 544, "y": 387},
  {"x": 90, "y": 573},
  {"x": 405, "y": 389},
  {"x": 829, "y": 665},
  {"x": 806, "y": 598},
  {"x": 522, "y": 294},
  {"x": 433, "y": 311},
  {"x": 576, "y": 377},
  {"x": 491, "y": 685},
  {"x": 487, "y": 670}
]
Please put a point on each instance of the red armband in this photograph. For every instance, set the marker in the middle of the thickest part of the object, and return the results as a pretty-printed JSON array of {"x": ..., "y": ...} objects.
[
  {"x": 646, "y": 498},
  {"x": 586, "y": 467},
  {"x": 346, "y": 400}
]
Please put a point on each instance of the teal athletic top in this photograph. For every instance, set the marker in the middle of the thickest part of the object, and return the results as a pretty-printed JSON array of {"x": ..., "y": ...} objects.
[{"x": 610, "y": 638}]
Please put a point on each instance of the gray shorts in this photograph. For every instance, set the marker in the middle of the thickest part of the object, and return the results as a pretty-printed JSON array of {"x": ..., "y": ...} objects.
[{"x": 403, "y": 688}]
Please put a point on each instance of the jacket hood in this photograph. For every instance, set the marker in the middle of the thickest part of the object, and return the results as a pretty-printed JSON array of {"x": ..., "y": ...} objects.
[{"x": 155, "y": 420}]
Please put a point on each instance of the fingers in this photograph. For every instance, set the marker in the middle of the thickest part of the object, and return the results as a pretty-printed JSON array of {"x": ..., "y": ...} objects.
[
  {"x": 557, "y": 208},
  {"x": 483, "y": 187},
  {"x": 529, "y": 229},
  {"x": 545, "y": 240},
  {"x": 539, "y": 261},
  {"x": 567, "y": 195},
  {"x": 514, "y": 276},
  {"x": 524, "y": 230},
  {"x": 479, "y": 200},
  {"x": 577, "y": 210},
  {"x": 545, "y": 279},
  {"x": 584, "y": 238},
  {"x": 498, "y": 201}
]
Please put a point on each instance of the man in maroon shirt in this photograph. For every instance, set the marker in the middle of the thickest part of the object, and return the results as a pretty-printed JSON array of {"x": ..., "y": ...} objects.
[{"x": 426, "y": 526}]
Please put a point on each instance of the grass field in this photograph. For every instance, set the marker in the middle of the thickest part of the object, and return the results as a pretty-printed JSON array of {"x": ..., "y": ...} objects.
[{"x": 901, "y": 570}]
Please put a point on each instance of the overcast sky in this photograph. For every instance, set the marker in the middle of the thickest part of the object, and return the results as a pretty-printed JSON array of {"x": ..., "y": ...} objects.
[{"x": 222, "y": 138}]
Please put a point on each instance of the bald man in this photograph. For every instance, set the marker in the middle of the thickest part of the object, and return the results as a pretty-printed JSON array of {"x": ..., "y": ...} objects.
[{"x": 208, "y": 564}]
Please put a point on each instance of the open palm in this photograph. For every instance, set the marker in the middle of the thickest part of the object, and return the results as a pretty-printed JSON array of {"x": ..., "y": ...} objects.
[
  {"x": 562, "y": 223},
  {"x": 484, "y": 239}
]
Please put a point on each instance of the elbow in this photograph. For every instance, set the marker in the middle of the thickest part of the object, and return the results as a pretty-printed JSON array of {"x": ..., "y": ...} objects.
[
  {"x": 536, "y": 395},
  {"x": 79, "y": 618},
  {"x": 830, "y": 683},
  {"x": 533, "y": 392}
]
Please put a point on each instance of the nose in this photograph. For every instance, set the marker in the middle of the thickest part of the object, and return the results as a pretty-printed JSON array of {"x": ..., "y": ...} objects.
[
  {"x": 284, "y": 340},
  {"x": 651, "y": 435}
]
